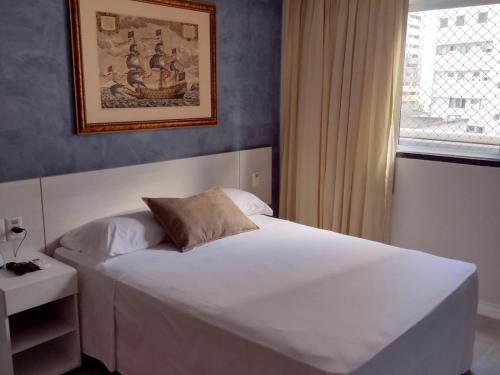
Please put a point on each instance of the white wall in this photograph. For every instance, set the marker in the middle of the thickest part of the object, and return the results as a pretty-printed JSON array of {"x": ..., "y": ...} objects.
[{"x": 452, "y": 210}]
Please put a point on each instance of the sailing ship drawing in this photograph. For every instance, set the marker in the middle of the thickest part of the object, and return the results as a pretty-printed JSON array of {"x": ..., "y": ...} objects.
[{"x": 136, "y": 70}]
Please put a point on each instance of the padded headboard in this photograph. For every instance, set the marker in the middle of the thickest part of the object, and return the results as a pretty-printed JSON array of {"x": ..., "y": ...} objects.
[{"x": 51, "y": 206}]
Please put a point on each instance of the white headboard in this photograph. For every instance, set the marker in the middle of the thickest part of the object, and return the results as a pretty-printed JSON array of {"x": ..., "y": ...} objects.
[{"x": 51, "y": 206}]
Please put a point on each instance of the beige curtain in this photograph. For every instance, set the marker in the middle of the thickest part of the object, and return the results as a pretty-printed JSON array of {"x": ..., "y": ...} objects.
[{"x": 342, "y": 63}]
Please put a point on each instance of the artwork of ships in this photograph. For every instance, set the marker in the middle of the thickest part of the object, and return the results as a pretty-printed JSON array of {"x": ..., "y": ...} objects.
[{"x": 146, "y": 62}]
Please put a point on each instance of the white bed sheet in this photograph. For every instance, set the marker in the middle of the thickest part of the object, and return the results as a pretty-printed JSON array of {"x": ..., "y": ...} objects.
[{"x": 286, "y": 299}]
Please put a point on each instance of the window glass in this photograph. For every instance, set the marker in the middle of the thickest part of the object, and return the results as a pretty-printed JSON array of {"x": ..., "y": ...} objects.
[
  {"x": 483, "y": 17},
  {"x": 451, "y": 89}
]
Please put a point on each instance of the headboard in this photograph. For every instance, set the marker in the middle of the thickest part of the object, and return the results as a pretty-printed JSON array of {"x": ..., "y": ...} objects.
[{"x": 60, "y": 203}]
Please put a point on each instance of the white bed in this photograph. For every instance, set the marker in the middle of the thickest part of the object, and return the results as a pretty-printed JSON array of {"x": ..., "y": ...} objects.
[{"x": 285, "y": 299}]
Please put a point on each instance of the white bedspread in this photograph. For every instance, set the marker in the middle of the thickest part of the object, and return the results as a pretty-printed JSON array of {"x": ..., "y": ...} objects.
[{"x": 286, "y": 299}]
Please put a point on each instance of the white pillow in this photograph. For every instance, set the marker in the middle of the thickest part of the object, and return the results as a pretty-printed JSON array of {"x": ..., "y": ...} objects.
[
  {"x": 116, "y": 235},
  {"x": 248, "y": 203}
]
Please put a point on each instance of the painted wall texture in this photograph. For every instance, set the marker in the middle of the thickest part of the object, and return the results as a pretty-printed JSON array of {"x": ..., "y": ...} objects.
[{"x": 37, "y": 136}]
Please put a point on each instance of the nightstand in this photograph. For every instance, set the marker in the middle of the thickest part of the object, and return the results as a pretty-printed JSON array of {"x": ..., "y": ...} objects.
[{"x": 39, "y": 319}]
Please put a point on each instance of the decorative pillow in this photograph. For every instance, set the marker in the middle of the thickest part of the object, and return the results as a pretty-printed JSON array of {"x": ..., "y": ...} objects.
[
  {"x": 116, "y": 235},
  {"x": 199, "y": 219},
  {"x": 248, "y": 203}
]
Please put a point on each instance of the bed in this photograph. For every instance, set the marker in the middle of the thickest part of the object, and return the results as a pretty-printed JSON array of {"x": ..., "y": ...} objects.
[{"x": 284, "y": 299}]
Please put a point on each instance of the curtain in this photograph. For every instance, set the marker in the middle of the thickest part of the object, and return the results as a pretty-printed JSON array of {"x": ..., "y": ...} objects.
[{"x": 342, "y": 69}]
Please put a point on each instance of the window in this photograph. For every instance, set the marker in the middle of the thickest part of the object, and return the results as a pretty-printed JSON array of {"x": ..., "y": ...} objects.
[
  {"x": 482, "y": 17},
  {"x": 457, "y": 103},
  {"x": 460, "y": 21},
  {"x": 464, "y": 49},
  {"x": 474, "y": 129},
  {"x": 486, "y": 47},
  {"x": 454, "y": 81}
]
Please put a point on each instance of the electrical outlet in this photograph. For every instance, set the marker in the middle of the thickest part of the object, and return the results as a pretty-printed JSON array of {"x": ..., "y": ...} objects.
[
  {"x": 10, "y": 223},
  {"x": 255, "y": 179},
  {"x": 3, "y": 237}
]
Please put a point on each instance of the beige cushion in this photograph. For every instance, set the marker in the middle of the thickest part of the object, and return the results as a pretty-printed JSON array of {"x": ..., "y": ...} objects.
[{"x": 199, "y": 219}]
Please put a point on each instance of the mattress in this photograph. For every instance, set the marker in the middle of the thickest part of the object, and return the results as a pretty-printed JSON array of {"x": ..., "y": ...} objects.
[{"x": 285, "y": 299}]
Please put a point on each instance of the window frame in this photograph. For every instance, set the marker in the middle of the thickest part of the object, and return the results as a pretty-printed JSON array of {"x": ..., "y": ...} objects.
[
  {"x": 436, "y": 155},
  {"x": 423, "y": 5}
]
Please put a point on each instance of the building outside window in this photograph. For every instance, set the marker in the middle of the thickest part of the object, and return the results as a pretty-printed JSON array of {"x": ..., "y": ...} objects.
[
  {"x": 457, "y": 103},
  {"x": 451, "y": 88},
  {"x": 482, "y": 17},
  {"x": 464, "y": 49},
  {"x": 475, "y": 129}
]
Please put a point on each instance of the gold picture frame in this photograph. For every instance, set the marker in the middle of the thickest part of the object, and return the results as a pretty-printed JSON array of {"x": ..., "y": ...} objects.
[{"x": 143, "y": 64}]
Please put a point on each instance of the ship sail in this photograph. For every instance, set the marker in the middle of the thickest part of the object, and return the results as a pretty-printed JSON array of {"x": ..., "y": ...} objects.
[
  {"x": 134, "y": 78},
  {"x": 133, "y": 58},
  {"x": 133, "y": 62},
  {"x": 157, "y": 61},
  {"x": 160, "y": 62}
]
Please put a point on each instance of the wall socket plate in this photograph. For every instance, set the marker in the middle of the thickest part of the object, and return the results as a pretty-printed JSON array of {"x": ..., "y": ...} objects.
[
  {"x": 3, "y": 236},
  {"x": 255, "y": 179},
  {"x": 10, "y": 223}
]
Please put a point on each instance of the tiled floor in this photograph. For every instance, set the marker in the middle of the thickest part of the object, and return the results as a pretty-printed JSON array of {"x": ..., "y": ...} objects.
[
  {"x": 486, "y": 352},
  {"x": 487, "y": 347}
]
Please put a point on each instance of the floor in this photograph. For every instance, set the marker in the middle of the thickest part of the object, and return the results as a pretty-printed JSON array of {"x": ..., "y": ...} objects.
[
  {"x": 486, "y": 352},
  {"x": 487, "y": 347}
]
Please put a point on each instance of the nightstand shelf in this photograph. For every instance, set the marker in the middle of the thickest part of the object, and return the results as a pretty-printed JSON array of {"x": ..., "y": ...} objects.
[
  {"x": 49, "y": 358},
  {"x": 38, "y": 325},
  {"x": 39, "y": 320}
]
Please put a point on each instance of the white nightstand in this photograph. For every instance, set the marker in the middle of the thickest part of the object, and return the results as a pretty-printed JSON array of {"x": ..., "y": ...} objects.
[{"x": 39, "y": 319}]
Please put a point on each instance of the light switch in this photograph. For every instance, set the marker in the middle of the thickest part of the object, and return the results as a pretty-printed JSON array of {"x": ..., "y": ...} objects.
[
  {"x": 255, "y": 179},
  {"x": 10, "y": 223}
]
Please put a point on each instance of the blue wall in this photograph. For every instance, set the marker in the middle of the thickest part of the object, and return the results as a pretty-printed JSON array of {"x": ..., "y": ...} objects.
[{"x": 37, "y": 136}]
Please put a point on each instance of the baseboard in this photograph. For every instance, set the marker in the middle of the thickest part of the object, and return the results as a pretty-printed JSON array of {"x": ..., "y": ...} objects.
[{"x": 488, "y": 309}]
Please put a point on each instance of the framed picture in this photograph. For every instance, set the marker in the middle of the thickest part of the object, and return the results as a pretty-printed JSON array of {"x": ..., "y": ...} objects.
[{"x": 143, "y": 64}]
